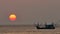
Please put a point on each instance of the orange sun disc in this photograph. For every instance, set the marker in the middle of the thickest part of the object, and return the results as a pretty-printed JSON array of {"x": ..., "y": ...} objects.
[{"x": 12, "y": 17}]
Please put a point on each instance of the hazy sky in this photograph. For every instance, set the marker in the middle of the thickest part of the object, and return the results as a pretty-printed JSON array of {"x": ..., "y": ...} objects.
[{"x": 29, "y": 11}]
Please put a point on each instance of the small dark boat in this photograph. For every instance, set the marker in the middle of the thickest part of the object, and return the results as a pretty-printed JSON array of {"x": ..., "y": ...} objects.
[{"x": 47, "y": 26}]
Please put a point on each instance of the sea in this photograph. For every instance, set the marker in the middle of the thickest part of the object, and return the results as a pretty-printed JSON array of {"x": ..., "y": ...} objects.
[{"x": 27, "y": 29}]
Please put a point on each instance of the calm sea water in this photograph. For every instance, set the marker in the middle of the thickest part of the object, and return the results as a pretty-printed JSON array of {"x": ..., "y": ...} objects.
[{"x": 27, "y": 30}]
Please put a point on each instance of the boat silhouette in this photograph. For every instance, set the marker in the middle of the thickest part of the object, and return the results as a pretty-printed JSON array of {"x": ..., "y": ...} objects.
[{"x": 46, "y": 26}]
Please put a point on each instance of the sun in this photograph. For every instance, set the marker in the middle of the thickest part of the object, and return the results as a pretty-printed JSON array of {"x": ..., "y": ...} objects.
[{"x": 12, "y": 17}]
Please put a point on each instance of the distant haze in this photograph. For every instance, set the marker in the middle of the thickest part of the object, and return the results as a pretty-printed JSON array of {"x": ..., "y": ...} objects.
[{"x": 29, "y": 11}]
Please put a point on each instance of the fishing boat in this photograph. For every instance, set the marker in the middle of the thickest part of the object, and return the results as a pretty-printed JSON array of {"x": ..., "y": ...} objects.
[{"x": 46, "y": 26}]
